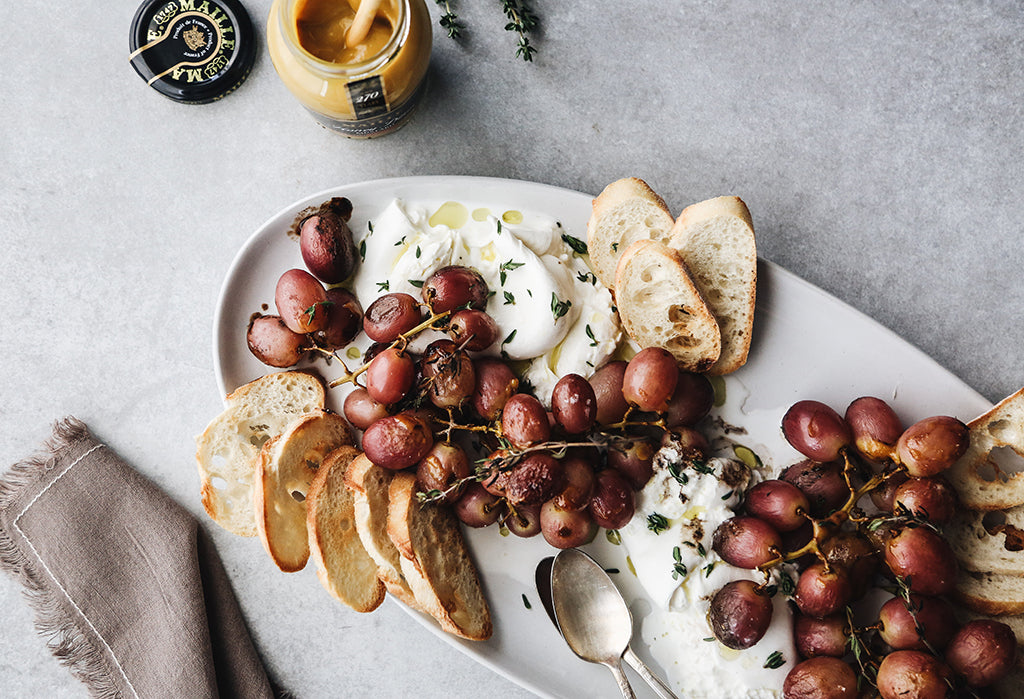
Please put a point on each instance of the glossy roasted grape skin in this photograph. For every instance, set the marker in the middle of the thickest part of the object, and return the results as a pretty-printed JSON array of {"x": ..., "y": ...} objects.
[
  {"x": 611, "y": 504},
  {"x": 473, "y": 329},
  {"x": 444, "y": 465},
  {"x": 686, "y": 441},
  {"x": 983, "y": 652},
  {"x": 397, "y": 441},
  {"x": 524, "y": 421},
  {"x": 449, "y": 374},
  {"x": 607, "y": 385},
  {"x": 884, "y": 495},
  {"x": 391, "y": 315},
  {"x": 875, "y": 425},
  {"x": 390, "y": 376},
  {"x": 344, "y": 320},
  {"x": 821, "y": 678},
  {"x": 565, "y": 528},
  {"x": 739, "y": 614},
  {"x": 453, "y": 287},
  {"x": 362, "y": 410},
  {"x": 900, "y": 629},
  {"x": 820, "y": 592},
  {"x": 574, "y": 404},
  {"x": 523, "y": 520},
  {"x": 857, "y": 556},
  {"x": 325, "y": 242},
  {"x": 650, "y": 379},
  {"x": 933, "y": 499},
  {"x": 816, "y": 430},
  {"x": 635, "y": 461},
  {"x": 746, "y": 542},
  {"x": 779, "y": 503},
  {"x": 578, "y": 485},
  {"x": 691, "y": 401},
  {"x": 932, "y": 445},
  {"x": 495, "y": 384},
  {"x": 912, "y": 673},
  {"x": 922, "y": 558},
  {"x": 301, "y": 301},
  {"x": 822, "y": 483},
  {"x": 478, "y": 508},
  {"x": 497, "y": 472},
  {"x": 535, "y": 479},
  {"x": 271, "y": 342},
  {"x": 821, "y": 637}
]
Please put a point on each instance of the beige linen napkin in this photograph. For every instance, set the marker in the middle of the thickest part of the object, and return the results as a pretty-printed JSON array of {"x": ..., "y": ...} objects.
[{"x": 126, "y": 586}]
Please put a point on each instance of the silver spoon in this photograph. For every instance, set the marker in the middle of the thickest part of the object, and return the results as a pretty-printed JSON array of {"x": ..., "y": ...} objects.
[{"x": 592, "y": 616}]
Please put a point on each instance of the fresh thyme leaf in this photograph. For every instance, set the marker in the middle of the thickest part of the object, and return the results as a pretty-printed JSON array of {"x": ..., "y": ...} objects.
[
  {"x": 615, "y": 247},
  {"x": 701, "y": 551},
  {"x": 416, "y": 282},
  {"x": 384, "y": 286},
  {"x": 786, "y": 584},
  {"x": 505, "y": 267},
  {"x": 511, "y": 336},
  {"x": 587, "y": 277},
  {"x": 499, "y": 226},
  {"x": 526, "y": 602},
  {"x": 362, "y": 250},
  {"x": 590, "y": 334},
  {"x": 449, "y": 20},
  {"x": 678, "y": 569},
  {"x": 775, "y": 660},
  {"x": 728, "y": 495},
  {"x": 611, "y": 571},
  {"x": 708, "y": 568},
  {"x": 657, "y": 523},
  {"x": 521, "y": 20},
  {"x": 510, "y": 300},
  {"x": 369, "y": 226},
  {"x": 575, "y": 243},
  {"x": 559, "y": 308},
  {"x": 708, "y": 639},
  {"x": 702, "y": 467},
  {"x": 400, "y": 242},
  {"x": 417, "y": 252}
]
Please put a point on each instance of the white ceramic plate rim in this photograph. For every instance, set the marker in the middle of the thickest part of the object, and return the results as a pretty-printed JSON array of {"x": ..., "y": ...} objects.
[{"x": 807, "y": 344}]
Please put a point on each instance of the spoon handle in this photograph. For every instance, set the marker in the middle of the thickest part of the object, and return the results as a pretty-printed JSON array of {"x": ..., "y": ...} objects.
[
  {"x": 620, "y": 678},
  {"x": 656, "y": 683}
]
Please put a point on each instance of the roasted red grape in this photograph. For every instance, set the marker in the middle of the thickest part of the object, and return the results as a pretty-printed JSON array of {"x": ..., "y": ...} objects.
[
  {"x": 538, "y": 477},
  {"x": 453, "y": 287},
  {"x": 344, "y": 320},
  {"x": 495, "y": 384},
  {"x": 815, "y": 637},
  {"x": 478, "y": 508},
  {"x": 397, "y": 441},
  {"x": 913, "y": 674},
  {"x": 444, "y": 465},
  {"x": 634, "y": 460},
  {"x": 932, "y": 499},
  {"x": 779, "y": 503},
  {"x": 301, "y": 301},
  {"x": 390, "y": 376},
  {"x": 686, "y": 441},
  {"x": 983, "y": 651},
  {"x": 272, "y": 343},
  {"x": 740, "y": 614},
  {"x": 524, "y": 421},
  {"x": 362, "y": 410},
  {"x": 574, "y": 404},
  {"x": 325, "y": 242},
  {"x": 612, "y": 504},
  {"x": 564, "y": 528},
  {"x": 884, "y": 495},
  {"x": 932, "y": 445},
  {"x": 875, "y": 426},
  {"x": 391, "y": 315},
  {"x": 823, "y": 484},
  {"x": 523, "y": 520},
  {"x": 449, "y": 372},
  {"x": 821, "y": 678},
  {"x": 854, "y": 554},
  {"x": 650, "y": 379},
  {"x": 900, "y": 623},
  {"x": 473, "y": 329},
  {"x": 746, "y": 542},
  {"x": 821, "y": 592},
  {"x": 692, "y": 399},
  {"x": 578, "y": 485},
  {"x": 607, "y": 385},
  {"x": 816, "y": 430},
  {"x": 923, "y": 559}
]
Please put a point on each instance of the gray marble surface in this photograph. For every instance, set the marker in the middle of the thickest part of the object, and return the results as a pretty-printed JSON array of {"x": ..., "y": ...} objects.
[{"x": 878, "y": 145}]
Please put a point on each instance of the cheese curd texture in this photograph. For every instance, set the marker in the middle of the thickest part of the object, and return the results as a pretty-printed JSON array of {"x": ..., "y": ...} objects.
[
  {"x": 680, "y": 572},
  {"x": 551, "y": 311}
]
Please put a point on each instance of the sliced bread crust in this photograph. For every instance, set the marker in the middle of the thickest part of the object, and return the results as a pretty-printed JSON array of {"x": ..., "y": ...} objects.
[
  {"x": 980, "y": 480},
  {"x": 226, "y": 451},
  {"x": 990, "y": 593},
  {"x": 343, "y": 566},
  {"x": 626, "y": 211},
  {"x": 436, "y": 561},
  {"x": 660, "y": 306},
  {"x": 989, "y": 542},
  {"x": 715, "y": 238},
  {"x": 286, "y": 468}
]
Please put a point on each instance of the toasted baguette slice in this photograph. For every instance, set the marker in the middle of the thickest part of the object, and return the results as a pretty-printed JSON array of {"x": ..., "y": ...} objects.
[
  {"x": 990, "y": 593},
  {"x": 436, "y": 561},
  {"x": 715, "y": 238},
  {"x": 369, "y": 484},
  {"x": 626, "y": 211},
  {"x": 660, "y": 306},
  {"x": 344, "y": 567},
  {"x": 286, "y": 467},
  {"x": 980, "y": 481},
  {"x": 989, "y": 542},
  {"x": 226, "y": 451}
]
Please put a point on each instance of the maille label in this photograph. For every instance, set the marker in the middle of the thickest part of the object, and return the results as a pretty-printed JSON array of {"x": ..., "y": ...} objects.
[
  {"x": 374, "y": 117},
  {"x": 188, "y": 42},
  {"x": 367, "y": 97}
]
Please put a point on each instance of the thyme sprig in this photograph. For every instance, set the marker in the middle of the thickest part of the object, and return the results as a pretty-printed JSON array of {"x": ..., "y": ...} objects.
[
  {"x": 522, "y": 21},
  {"x": 449, "y": 21}
]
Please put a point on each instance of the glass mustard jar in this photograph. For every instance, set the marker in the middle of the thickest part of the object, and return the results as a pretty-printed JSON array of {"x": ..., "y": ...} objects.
[{"x": 361, "y": 91}]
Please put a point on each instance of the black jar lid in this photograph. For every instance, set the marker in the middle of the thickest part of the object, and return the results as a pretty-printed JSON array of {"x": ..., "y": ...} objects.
[{"x": 193, "y": 51}]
